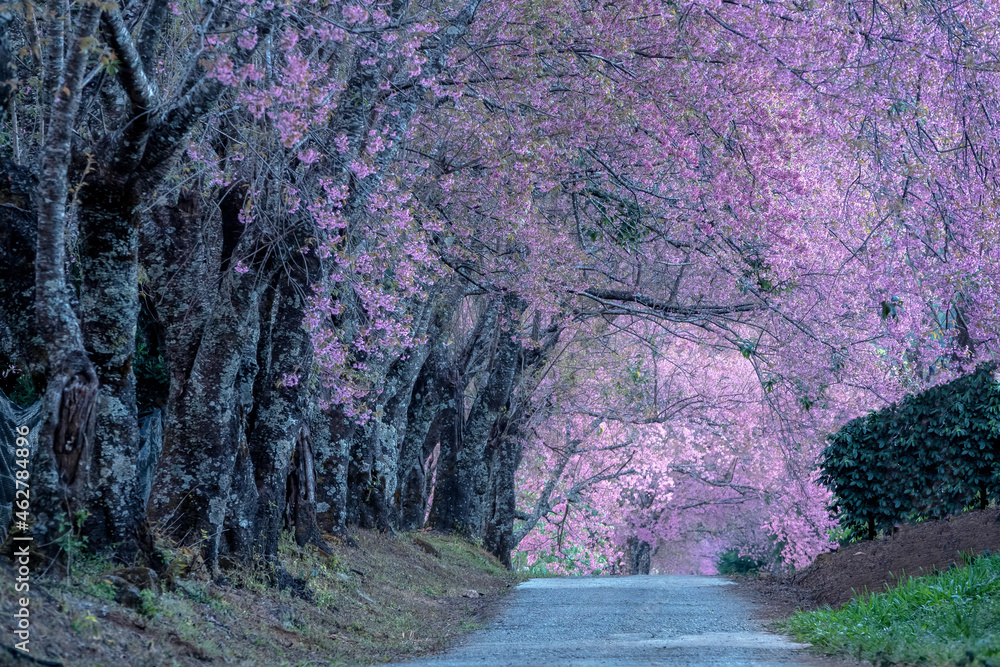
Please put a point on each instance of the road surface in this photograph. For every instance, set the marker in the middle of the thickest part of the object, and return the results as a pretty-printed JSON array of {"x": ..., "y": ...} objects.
[{"x": 626, "y": 622}]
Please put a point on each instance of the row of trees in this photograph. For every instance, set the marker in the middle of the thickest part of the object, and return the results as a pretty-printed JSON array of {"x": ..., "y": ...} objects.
[
  {"x": 881, "y": 250},
  {"x": 362, "y": 254}
]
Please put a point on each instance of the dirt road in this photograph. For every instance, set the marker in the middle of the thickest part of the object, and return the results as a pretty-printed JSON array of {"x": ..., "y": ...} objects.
[{"x": 624, "y": 621}]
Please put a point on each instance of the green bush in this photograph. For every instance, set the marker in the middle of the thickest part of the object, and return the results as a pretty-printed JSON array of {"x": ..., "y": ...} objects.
[
  {"x": 931, "y": 455},
  {"x": 731, "y": 562},
  {"x": 753, "y": 557}
]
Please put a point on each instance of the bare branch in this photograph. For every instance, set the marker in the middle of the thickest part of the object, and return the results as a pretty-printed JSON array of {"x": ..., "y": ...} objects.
[
  {"x": 140, "y": 90},
  {"x": 156, "y": 14},
  {"x": 603, "y": 296}
]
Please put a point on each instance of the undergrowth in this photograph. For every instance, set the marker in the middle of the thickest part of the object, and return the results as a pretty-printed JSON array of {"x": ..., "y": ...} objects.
[
  {"x": 388, "y": 598},
  {"x": 951, "y": 618}
]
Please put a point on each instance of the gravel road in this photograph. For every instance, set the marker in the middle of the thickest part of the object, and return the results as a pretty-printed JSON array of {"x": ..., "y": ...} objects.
[{"x": 624, "y": 621}]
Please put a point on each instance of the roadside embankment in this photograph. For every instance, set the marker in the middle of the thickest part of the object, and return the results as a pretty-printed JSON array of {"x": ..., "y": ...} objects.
[
  {"x": 929, "y": 593},
  {"x": 389, "y": 598}
]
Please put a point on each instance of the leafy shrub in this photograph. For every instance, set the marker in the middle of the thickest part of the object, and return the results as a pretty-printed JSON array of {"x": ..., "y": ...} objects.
[
  {"x": 150, "y": 603},
  {"x": 731, "y": 562},
  {"x": 752, "y": 557},
  {"x": 931, "y": 455},
  {"x": 571, "y": 560}
]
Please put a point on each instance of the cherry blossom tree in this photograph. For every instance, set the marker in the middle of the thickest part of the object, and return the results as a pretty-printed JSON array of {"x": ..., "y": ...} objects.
[{"x": 557, "y": 275}]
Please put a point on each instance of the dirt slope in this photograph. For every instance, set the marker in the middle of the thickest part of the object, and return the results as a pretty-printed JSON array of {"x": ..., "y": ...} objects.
[
  {"x": 389, "y": 598},
  {"x": 911, "y": 551},
  {"x": 873, "y": 566}
]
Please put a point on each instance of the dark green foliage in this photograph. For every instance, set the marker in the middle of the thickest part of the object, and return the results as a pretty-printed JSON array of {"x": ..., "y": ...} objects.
[
  {"x": 929, "y": 456},
  {"x": 618, "y": 218},
  {"x": 24, "y": 391},
  {"x": 19, "y": 386},
  {"x": 152, "y": 381},
  {"x": 767, "y": 557},
  {"x": 731, "y": 562}
]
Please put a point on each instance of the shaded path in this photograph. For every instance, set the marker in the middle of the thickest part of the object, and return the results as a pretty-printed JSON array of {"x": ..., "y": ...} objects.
[{"x": 627, "y": 621}]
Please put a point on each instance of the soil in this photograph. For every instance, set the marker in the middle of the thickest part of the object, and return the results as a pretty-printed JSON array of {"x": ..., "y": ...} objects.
[
  {"x": 389, "y": 598},
  {"x": 876, "y": 565}
]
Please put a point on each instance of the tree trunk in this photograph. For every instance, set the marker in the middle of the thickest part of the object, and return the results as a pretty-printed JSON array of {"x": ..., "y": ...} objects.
[
  {"x": 373, "y": 475},
  {"x": 428, "y": 393},
  {"x": 109, "y": 310},
  {"x": 431, "y": 394},
  {"x": 280, "y": 405},
  {"x": 196, "y": 471},
  {"x": 460, "y": 505},
  {"x": 209, "y": 314},
  {"x": 72, "y": 388},
  {"x": 244, "y": 500},
  {"x": 300, "y": 507},
  {"x": 447, "y": 427},
  {"x": 446, "y": 431},
  {"x": 332, "y": 436},
  {"x": 639, "y": 556},
  {"x": 504, "y": 455}
]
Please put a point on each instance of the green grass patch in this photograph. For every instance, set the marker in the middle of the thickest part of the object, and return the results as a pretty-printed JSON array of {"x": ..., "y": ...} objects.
[
  {"x": 951, "y": 618},
  {"x": 461, "y": 552}
]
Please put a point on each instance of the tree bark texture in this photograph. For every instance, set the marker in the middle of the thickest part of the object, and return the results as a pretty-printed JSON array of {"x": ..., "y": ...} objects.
[
  {"x": 300, "y": 505},
  {"x": 241, "y": 449},
  {"x": 72, "y": 387},
  {"x": 281, "y": 402},
  {"x": 500, "y": 505},
  {"x": 639, "y": 556},
  {"x": 374, "y": 467},
  {"x": 332, "y": 435},
  {"x": 20, "y": 344},
  {"x": 109, "y": 311},
  {"x": 210, "y": 316},
  {"x": 459, "y": 499},
  {"x": 432, "y": 389}
]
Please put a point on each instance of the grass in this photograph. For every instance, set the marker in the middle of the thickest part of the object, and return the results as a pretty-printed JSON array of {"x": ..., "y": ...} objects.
[
  {"x": 386, "y": 599},
  {"x": 951, "y": 618},
  {"x": 462, "y": 553}
]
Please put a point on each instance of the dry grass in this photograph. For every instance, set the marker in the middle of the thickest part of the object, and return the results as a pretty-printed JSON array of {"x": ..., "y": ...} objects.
[{"x": 387, "y": 599}]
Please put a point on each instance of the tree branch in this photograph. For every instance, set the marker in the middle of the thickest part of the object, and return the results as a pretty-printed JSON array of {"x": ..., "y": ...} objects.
[
  {"x": 167, "y": 135},
  {"x": 603, "y": 296},
  {"x": 140, "y": 90},
  {"x": 156, "y": 14},
  {"x": 72, "y": 389}
]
